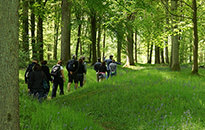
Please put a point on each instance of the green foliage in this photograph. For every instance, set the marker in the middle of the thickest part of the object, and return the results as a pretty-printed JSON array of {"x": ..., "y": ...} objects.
[
  {"x": 49, "y": 116},
  {"x": 23, "y": 58},
  {"x": 150, "y": 97},
  {"x": 148, "y": 20}
]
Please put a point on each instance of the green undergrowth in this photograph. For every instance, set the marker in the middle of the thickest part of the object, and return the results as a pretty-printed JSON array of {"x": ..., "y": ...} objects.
[
  {"x": 141, "y": 97},
  {"x": 50, "y": 116}
]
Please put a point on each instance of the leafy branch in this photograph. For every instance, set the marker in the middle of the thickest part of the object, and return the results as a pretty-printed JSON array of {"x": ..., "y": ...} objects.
[{"x": 167, "y": 8}]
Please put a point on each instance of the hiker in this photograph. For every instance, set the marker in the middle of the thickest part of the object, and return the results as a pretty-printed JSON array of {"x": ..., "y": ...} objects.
[
  {"x": 108, "y": 61},
  {"x": 29, "y": 70},
  {"x": 72, "y": 68},
  {"x": 102, "y": 71},
  {"x": 35, "y": 82},
  {"x": 46, "y": 70},
  {"x": 85, "y": 66},
  {"x": 96, "y": 68},
  {"x": 81, "y": 71},
  {"x": 58, "y": 78},
  {"x": 113, "y": 68}
]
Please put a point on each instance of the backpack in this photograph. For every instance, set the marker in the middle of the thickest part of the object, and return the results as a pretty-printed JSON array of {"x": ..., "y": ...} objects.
[
  {"x": 70, "y": 65},
  {"x": 112, "y": 67},
  {"x": 28, "y": 71},
  {"x": 97, "y": 66},
  {"x": 44, "y": 82},
  {"x": 55, "y": 70}
]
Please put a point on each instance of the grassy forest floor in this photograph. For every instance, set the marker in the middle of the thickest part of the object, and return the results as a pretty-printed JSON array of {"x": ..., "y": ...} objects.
[{"x": 138, "y": 98}]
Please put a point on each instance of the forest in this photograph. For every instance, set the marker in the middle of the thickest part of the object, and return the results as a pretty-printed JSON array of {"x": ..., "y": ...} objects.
[{"x": 160, "y": 45}]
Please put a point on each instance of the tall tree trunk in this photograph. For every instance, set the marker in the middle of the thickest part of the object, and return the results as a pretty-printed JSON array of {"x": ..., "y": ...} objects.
[
  {"x": 99, "y": 38},
  {"x": 79, "y": 35},
  {"x": 167, "y": 52},
  {"x": 90, "y": 52},
  {"x": 84, "y": 34},
  {"x": 170, "y": 64},
  {"x": 40, "y": 37},
  {"x": 195, "y": 31},
  {"x": 130, "y": 40},
  {"x": 136, "y": 46},
  {"x": 34, "y": 50},
  {"x": 130, "y": 48},
  {"x": 104, "y": 37},
  {"x": 190, "y": 47},
  {"x": 130, "y": 45},
  {"x": 56, "y": 33},
  {"x": 175, "y": 66},
  {"x": 9, "y": 48},
  {"x": 40, "y": 29},
  {"x": 81, "y": 49},
  {"x": 157, "y": 55},
  {"x": 119, "y": 44},
  {"x": 166, "y": 42},
  {"x": 66, "y": 31},
  {"x": 81, "y": 44},
  {"x": 25, "y": 29},
  {"x": 93, "y": 36},
  {"x": 150, "y": 55},
  {"x": 175, "y": 54},
  {"x": 182, "y": 53},
  {"x": 162, "y": 55},
  {"x": 49, "y": 51}
]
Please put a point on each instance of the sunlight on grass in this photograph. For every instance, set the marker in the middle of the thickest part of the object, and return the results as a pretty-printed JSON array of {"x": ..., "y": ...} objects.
[
  {"x": 135, "y": 67},
  {"x": 137, "y": 98}
]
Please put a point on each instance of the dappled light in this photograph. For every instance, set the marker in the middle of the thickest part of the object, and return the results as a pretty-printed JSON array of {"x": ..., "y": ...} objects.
[{"x": 135, "y": 99}]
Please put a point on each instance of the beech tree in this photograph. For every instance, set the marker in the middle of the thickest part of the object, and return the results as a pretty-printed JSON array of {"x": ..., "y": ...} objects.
[
  {"x": 25, "y": 36},
  {"x": 66, "y": 31},
  {"x": 9, "y": 86},
  {"x": 175, "y": 40},
  {"x": 32, "y": 29},
  {"x": 195, "y": 30},
  {"x": 40, "y": 28}
]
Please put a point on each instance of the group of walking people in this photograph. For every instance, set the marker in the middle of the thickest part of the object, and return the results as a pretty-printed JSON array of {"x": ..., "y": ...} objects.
[
  {"x": 38, "y": 77},
  {"x": 108, "y": 66}
]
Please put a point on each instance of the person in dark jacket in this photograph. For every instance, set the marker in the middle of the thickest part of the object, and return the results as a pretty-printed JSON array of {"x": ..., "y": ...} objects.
[
  {"x": 29, "y": 70},
  {"x": 81, "y": 71},
  {"x": 85, "y": 66},
  {"x": 96, "y": 68},
  {"x": 46, "y": 70},
  {"x": 35, "y": 82},
  {"x": 72, "y": 68},
  {"x": 102, "y": 71}
]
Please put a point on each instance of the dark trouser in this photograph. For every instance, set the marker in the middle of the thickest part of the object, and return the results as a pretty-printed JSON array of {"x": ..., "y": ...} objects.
[
  {"x": 80, "y": 79},
  {"x": 113, "y": 73},
  {"x": 48, "y": 89},
  {"x": 37, "y": 94},
  {"x": 108, "y": 74},
  {"x": 97, "y": 76},
  {"x": 56, "y": 82}
]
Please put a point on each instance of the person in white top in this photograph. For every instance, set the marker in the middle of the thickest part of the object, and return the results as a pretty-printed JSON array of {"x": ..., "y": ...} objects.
[{"x": 113, "y": 68}]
